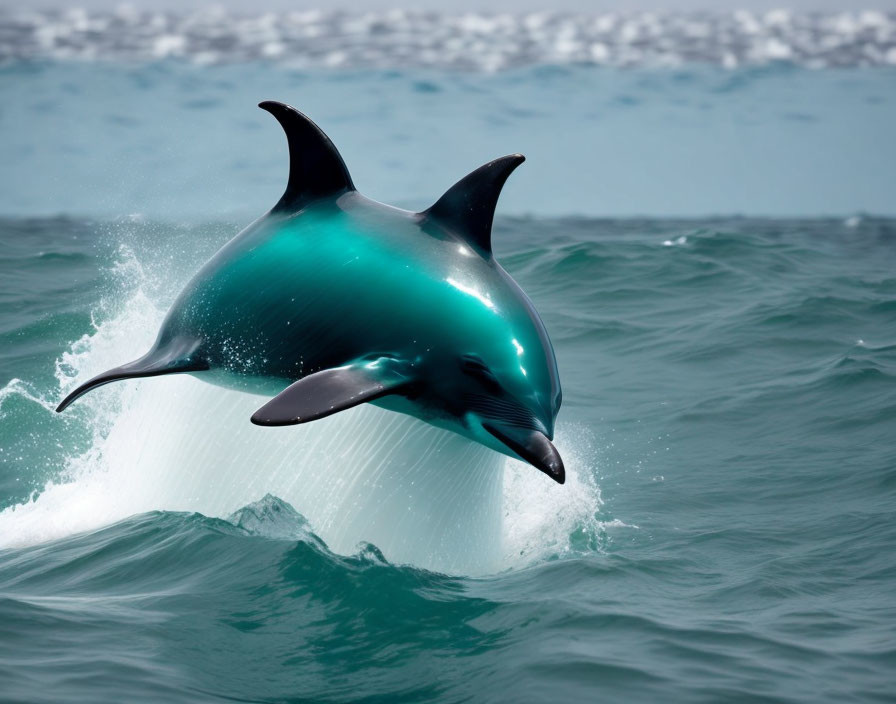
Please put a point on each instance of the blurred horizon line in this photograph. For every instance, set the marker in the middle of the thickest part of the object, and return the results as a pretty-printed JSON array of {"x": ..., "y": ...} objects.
[
  {"x": 490, "y": 41},
  {"x": 482, "y": 6}
]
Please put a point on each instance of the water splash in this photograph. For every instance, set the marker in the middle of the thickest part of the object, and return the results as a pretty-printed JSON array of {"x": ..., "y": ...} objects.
[
  {"x": 271, "y": 517},
  {"x": 422, "y": 495},
  {"x": 539, "y": 524}
]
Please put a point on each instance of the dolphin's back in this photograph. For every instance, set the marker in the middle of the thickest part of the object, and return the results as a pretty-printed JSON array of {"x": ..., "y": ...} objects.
[{"x": 291, "y": 296}]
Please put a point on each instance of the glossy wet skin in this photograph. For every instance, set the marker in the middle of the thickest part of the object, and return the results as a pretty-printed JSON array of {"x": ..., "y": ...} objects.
[
  {"x": 332, "y": 300},
  {"x": 346, "y": 280}
]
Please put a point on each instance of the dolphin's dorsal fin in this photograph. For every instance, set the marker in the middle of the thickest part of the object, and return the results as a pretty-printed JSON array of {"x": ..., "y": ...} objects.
[
  {"x": 316, "y": 169},
  {"x": 468, "y": 207}
]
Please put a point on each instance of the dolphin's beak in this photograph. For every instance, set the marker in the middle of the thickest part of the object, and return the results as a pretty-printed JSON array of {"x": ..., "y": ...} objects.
[{"x": 534, "y": 447}]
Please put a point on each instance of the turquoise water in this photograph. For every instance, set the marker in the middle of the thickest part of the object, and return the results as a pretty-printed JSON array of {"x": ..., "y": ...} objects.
[
  {"x": 177, "y": 141},
  {"x": 729, "y": 408}
]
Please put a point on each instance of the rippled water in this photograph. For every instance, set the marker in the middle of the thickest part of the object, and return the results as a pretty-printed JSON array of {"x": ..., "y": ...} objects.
[
  {"x": 726, "y": 534},
  {"x": 727, "y": 529}
]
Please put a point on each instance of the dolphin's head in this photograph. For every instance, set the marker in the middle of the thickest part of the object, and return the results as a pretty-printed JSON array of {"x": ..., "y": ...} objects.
[
  {"x": 493, "y": 377},
  {"x": 490, "y": 373}
]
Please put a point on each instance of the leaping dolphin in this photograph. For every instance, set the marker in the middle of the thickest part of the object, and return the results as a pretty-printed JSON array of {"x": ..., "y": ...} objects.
[{"x": 344, "y": 300}]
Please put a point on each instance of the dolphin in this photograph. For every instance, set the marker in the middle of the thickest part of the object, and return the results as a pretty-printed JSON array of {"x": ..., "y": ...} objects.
[{"x": 332, "y": 299}]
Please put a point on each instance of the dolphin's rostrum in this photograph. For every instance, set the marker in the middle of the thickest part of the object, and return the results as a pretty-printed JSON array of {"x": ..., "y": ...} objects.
[{"x": 343, "y": 300}]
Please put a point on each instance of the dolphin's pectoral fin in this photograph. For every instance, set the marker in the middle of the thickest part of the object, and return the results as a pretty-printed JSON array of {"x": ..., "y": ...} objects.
[
  {"x": 330, "y": 391},
  {"x": 316, "y": 170},
  {"x": 468, "y": 207},
  {"x": 177, "y": 355}
]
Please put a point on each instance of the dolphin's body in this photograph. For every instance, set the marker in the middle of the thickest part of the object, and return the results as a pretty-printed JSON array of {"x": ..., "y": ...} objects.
[{"x": 331, "y": 300}]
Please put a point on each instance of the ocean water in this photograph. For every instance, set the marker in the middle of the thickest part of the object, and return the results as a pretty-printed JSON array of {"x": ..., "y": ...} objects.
[{"x": 728, "y": 526}]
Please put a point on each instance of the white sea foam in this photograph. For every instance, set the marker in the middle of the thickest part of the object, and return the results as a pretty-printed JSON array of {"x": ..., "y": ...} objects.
[
  {"x": 540, "y": 520},
  {"x": 422, "y": 495},
  {"x": 488, "y": 42},
  {"x": 17, "y": 387}
]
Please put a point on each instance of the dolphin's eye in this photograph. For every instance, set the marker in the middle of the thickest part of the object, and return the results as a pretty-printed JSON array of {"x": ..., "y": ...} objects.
[{"x": 475, "y": 367}]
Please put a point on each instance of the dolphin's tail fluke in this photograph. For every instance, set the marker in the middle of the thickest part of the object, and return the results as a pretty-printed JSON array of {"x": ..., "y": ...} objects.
[{"x": 177, "y": 355}]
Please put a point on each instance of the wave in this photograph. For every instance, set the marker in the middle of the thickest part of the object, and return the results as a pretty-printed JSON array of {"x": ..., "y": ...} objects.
[
  {"x": 752, "y": 452},
  {"x": 255, "y": 607},
  {"x": 471, "y": 41},
  {"x": 160, "y": 603}
]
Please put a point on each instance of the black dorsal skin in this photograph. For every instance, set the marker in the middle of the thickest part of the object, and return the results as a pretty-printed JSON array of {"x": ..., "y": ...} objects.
[
  {"x": 316, "y": 169},
  {"x": 468, "y": 207}
]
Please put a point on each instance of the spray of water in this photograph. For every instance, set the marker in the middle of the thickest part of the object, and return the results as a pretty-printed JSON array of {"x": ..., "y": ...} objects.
[{"x": 424, "y": 496}]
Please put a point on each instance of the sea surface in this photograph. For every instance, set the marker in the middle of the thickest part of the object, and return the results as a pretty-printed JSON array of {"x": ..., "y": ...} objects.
[{"x": 712, "y": 248}]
